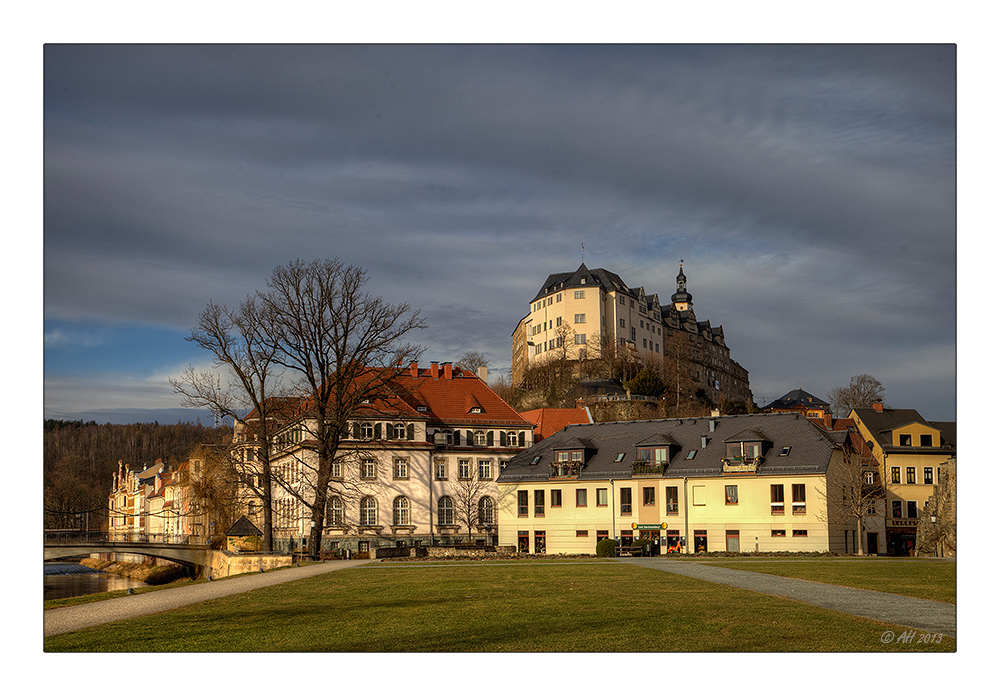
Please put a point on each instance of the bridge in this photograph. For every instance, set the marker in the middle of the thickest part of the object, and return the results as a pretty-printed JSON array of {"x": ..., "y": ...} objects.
[{"x": 185, "y": 550}]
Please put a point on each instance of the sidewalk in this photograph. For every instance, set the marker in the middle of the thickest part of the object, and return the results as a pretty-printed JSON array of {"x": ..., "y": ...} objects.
[
  {"x": 923, "y": 614},
  {"x": 74, "y": 618}
]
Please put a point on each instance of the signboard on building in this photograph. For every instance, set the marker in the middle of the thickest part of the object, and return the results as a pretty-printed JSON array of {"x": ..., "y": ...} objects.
[{"x": 662, "y": 525}]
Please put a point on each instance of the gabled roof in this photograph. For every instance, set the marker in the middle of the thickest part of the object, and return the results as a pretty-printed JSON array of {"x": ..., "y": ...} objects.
[
  {"x": 581, "y": 278},
  {"x": 798, "y": 398},
  {"x": 244, "y": 527},
  {"x": 449, "y": 400},
  {"x": 657, "y": 439},
  {"x": 810, "y": 448},
  {"x": 748, "y": 435},
  {"x": 882, "y": 423}
]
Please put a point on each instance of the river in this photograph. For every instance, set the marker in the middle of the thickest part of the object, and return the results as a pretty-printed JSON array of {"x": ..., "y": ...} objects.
[{"x": 73, "y": 580}]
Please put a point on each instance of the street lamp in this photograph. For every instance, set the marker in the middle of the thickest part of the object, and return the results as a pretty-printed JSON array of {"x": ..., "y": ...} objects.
[{"x": 935, "y": 533}]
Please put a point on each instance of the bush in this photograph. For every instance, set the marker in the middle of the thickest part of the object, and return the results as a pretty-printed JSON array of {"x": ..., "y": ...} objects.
[{"x": 606, "y": 548}]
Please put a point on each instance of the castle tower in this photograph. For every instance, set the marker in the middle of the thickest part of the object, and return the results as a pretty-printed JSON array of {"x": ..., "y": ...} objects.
[{"x": 682, "y": 298}]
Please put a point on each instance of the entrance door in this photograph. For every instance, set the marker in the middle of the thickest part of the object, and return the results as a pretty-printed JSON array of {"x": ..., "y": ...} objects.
[
  {"x": 873, "y": 542},
  {"x": 733, "y": 540}
]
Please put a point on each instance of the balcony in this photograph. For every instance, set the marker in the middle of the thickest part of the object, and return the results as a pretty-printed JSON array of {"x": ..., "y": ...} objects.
[
  {"x": 740, "y": 465},
  {"x": 564, "y": 470},
  {"x": 643, "y": 467}
]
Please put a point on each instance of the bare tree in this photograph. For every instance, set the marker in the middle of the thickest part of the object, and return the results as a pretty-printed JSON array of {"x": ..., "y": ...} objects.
[
  {"x": 344, "y": 345},
  {"x": 862, "y": 392},
  {"x": 854, "y": 489},
  {"x": 472, "y": 361},
  {"x": 467, "y": 494},
  {"x": 239, "y": 347}
]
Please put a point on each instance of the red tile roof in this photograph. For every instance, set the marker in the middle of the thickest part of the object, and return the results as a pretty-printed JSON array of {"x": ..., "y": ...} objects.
[{"x": 551, "y": 420}]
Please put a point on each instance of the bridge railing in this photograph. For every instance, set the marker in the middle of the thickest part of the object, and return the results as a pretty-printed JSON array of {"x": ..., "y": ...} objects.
[{"x": 125, "y": 537}]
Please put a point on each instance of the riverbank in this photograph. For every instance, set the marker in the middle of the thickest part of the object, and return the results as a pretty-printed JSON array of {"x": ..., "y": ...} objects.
[{"x": 144, "y": 572}]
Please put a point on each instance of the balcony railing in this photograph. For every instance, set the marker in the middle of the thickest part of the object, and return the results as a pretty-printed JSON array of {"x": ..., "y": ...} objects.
[
  {"x": 644, "y": 467},
  {"x": 740, "y": 465}
]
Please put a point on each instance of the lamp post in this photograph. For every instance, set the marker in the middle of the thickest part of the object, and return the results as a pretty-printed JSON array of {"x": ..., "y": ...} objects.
[{"x": 934, "y": 532}]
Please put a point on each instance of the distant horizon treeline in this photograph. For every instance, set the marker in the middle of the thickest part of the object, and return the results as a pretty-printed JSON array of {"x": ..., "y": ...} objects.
[{"x": 80, "y": 459}]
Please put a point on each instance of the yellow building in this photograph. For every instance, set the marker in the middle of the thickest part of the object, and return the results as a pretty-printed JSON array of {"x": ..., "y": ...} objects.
[
  {"x": 724, "y": 483},
  {"x": 912, "y": 452},
  {"x": 585, "y": 314}
]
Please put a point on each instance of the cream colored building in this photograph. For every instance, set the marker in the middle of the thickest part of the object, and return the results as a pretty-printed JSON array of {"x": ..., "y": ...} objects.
[
  {"x": 725, "y": 483},
  {"x": 417, "y": 469},
  {"x": 583, "y": 314},
  {"x": 912, "y": 452}
]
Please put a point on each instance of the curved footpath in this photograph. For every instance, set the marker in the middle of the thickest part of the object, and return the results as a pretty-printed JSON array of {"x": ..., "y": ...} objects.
[
  {"x": 65, "y": 619},
  {"x": 924, "y": 614}
]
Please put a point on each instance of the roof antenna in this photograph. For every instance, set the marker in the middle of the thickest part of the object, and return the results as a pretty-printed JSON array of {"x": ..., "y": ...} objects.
[{"x": 581, "y": 252}]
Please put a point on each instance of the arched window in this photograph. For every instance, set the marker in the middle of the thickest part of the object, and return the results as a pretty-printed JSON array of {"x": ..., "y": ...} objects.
[
  {"x": 367, "y": 431},
  {"x": 335, "y": 512},
  {"x": 369, "y": 511},
  {"x": 487, "y": 511},
  {"x": 446, "y": 510},
  {"x": 401, "y": 511},
  {"x": 399, "y": 431},
  {"x": 480, "y": 438}
]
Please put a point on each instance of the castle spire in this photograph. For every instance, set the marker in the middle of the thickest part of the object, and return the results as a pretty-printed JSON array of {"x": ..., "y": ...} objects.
[{"x": 682, "y": 298}]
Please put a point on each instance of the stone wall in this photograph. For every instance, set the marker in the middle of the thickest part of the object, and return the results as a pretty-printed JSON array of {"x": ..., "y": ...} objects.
[
  {"x": 222, "y": 564},
  {"x": 940, "y": 537}
]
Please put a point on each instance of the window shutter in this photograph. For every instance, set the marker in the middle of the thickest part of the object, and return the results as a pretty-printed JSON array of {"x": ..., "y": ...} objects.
[
  {"x": 357, "y": 431},
  {"x": 520, "y": 439},
  {"x": 378, "y": 431},
  {"x": 470, "y": 439},
  {"x": 409, "y": 431},
  {"x": 503, "y": 438},
  {"x": 489, "y": 438}
]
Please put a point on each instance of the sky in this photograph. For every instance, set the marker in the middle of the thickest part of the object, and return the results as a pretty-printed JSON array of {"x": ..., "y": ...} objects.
[{"x": 810, "y": 190}]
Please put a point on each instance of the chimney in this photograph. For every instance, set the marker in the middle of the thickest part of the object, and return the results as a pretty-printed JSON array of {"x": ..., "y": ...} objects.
[
  {"x": 434, "y": 369},
  {"x": 414, "y": 370},
  {"x": 878, "y": 405},
  {"x": 447, "y": 370},
  {"x": 483, "y": 372}
]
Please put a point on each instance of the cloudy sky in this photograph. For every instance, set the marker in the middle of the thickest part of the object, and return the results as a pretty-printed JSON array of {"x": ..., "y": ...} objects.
[{"x": 810, "y": 191}]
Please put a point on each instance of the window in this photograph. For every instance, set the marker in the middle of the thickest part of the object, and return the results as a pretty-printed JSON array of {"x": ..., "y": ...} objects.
[
  {"x": 522, "y": 503},
  {"x": 582, "y": 533},
  {"x": 580, "y": 339},
  {"x": 335, "y": 512},
  {"x": 581, "y": 497},
  {"x": 446, "y": 510},
  {"x": 869, "y": 478},
  {"x": 367, "y": 431},
  {"x": 338, "y": 470},
  {"x": 369, "y": 511},
  {"x": 522, "y": 542},
  {"x": 602, "y": 497},
  {"x": 399, "y": 431},
  {"x": 539, "y": 542},
  {"x": 480, "y": 438},
  {"x": 800, "y": 532},
  {"x": 928, "y": 475},
  {"x": 911, "y": 474},
  {"x": 602, "y": 534},
  {"x": 911, "y": 509},
  {"x": 555, "y": 498},
  {"x": 621, "y": 323},
  {"x": 401, "y": 511},
  {"x": 367, "y": 468},
  {"x": 798, "y": 498},
  {"x": 692, "y": 454},
  {"x": 441, "y": 469},
  {"x": 626, "y": 501},
  {"x": 777, "y": 532},
  {"x": 465, "y": 469},
  {"x": 485, "y": 470},
  {"x": 648, "y": 495},
  {"x": 894, "y": 473},
  {"x": 559, "y": 297},
  {"x": 777, "y": 499},
  {"x": 400, "y": 468},
  {"x": 579, "y": 294},
  {"x": 487, "y": 511},
  {"x": 897, "y": 508},
  {"x": 904, "y": 440},
  {"x": 732, "y": 496},
  {"x": 745, "y": 450},
  {"x": 672, "y": 506},
  {"x": 539, "y": 503},
  {"x": 784, "y": 451},
  {"x": 579, "y": 318},
  {"x": 621, "y": 456}
]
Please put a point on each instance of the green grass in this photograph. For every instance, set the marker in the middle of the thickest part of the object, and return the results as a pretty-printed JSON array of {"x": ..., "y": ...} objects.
[
  {"x": 925, "y": 579},
  {"x": 534, "y": 607}
]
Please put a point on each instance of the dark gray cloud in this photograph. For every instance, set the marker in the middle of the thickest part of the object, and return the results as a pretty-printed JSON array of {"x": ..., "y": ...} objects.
[{"x": 810, "y": 189}]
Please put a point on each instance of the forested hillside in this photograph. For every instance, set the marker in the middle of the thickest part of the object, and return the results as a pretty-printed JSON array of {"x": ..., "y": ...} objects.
[{"x": 80, "y": 459}]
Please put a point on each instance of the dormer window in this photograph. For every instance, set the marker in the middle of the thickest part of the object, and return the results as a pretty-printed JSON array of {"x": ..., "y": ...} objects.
[
  {"x": 743, "y": 450},
  {"x": 476, "y": 409},
  {"x": 399, "y": 431}
]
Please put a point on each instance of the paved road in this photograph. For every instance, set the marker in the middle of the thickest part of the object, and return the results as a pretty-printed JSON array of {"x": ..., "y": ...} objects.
[
  {"x": 74, "y": 618},
  {"x": 922, "y": 614}
]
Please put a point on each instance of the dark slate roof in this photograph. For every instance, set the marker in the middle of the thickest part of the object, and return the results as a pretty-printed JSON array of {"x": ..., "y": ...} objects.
[
  {"x": 244, "y": 527},
  {"x": 948, "y": 431},
  {"x": 606, "y": 280},
  {"x": 798, "y": 397},
  {"x": 810, "y": 447}
]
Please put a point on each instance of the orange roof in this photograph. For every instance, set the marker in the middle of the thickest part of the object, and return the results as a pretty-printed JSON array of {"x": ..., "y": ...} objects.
[{"x": 551, "y": 420}]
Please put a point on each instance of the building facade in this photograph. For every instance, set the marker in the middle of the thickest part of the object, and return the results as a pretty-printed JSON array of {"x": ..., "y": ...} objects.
[
  {"x": 758, "y": 482},
  {"x": 588, "y": 313},
  {"x": 912, "y": 453},
  {"x": 418, "y": 467}
]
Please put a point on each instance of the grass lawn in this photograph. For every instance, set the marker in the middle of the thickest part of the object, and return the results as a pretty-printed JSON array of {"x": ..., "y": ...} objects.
[
  {"x": 925, "y": 579},
  {"x": 536, "y": 607}
]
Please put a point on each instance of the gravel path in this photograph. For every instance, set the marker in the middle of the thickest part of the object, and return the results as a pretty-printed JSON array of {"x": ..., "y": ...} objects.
[
  {"x": 74, "y": 618},
  {"x": 922, "y": 614}
]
